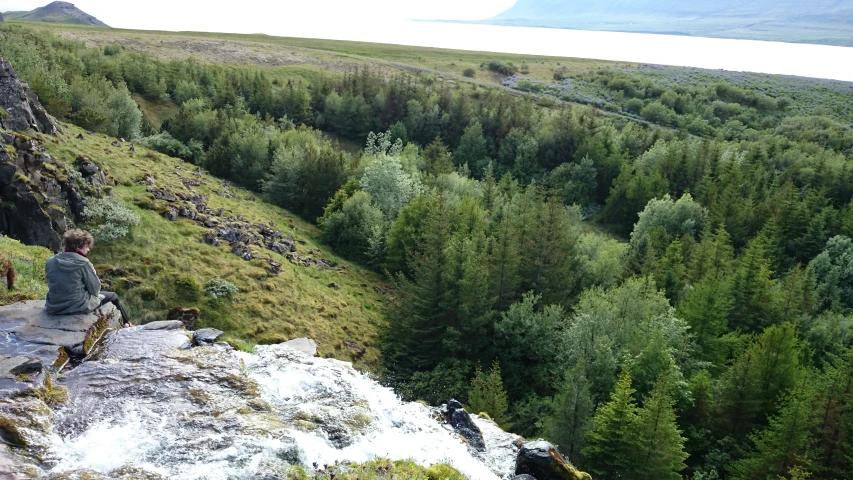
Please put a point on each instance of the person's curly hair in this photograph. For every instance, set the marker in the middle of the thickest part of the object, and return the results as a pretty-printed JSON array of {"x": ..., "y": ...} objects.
[{"x": 76, "y": 239}]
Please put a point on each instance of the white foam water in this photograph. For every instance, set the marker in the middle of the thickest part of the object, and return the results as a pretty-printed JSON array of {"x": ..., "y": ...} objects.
[{"x": 317, "y": 411}]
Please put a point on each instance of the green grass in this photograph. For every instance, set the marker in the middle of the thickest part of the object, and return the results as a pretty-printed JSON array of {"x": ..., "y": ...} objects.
[
  {"x": 156, "y": 111},
  {"x": 303, "y": 58},
  {"x": 381, "y": 469},
  {"x": 29, "y": 265},
  {"x": 267, "y": 309}
]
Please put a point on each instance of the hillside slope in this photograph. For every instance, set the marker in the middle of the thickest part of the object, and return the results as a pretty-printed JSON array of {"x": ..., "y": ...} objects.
[
  {"x": 165, "y": 263},
  {"x": 57, "y": 12},
  {"x": 819, "y": 21}
]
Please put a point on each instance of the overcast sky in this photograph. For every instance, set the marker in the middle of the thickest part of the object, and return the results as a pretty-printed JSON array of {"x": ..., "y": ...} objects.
[{"x": 270, "y": 16}]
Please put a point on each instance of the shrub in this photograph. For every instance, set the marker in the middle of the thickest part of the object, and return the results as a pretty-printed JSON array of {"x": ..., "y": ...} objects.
[
  {"x": 188, "y": 288},
  {"x": 506, "y": 68},
  {"x": 111, "y": 219},
  {"x": 357, "y": 227},
  {"x": 220, "y": 288},
  {"x": 169, "y": 145},
  {"x": 469, "y": 72},
  {"x": 112, "y": 49}
]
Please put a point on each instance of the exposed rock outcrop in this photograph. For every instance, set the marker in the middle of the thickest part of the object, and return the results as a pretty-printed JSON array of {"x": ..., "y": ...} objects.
[
  {"x": 35, "y": 346},
  {"x": 462, "y": 423},
  {"x": 542, "y": 460},
  {"x": 39, "y": 198},
  {"x": 21, "y": 108}
]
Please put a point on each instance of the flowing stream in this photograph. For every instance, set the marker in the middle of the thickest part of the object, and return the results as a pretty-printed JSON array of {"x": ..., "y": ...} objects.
[{"x": 143, "y": 407}]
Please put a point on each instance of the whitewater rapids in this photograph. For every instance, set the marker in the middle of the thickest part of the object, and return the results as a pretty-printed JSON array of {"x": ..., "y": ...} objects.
[{"x": 217, "y": 414}]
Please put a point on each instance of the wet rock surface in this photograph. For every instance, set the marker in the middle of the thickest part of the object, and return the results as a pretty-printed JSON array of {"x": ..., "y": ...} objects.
[
  {"x": 33, "y": 342},
  {"x": 155, "y": 401},
  {"x": 206, "y": 336},
  {"x": 461, "y": 421},
  {"x": 304, "y": 345},
  {"x": 542, "y": 460}
]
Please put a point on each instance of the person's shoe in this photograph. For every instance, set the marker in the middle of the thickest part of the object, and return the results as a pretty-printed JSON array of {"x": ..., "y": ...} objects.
[{"x": 128, "y": 325}]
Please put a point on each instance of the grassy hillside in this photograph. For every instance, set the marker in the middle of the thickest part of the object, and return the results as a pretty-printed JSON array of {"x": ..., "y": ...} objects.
[
  {"x": 308, "y": 59},
  {"x": 29, "y": 267},
  {"x": 152, "y": 268}
]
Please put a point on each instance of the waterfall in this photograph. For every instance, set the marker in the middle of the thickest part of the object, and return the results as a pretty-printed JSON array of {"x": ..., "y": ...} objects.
[{"x": 214, "y": 413}]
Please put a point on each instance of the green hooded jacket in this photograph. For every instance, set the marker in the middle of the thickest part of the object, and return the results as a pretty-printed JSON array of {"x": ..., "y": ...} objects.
[{"x": 73, "y": 284}]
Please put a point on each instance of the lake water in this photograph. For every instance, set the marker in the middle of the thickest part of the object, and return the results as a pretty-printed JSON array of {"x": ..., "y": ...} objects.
[{"x": 817, "y": 61}]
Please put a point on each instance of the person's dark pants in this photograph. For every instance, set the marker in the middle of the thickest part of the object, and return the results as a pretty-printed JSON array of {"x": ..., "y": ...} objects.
[{"x": 111, "y": 297}]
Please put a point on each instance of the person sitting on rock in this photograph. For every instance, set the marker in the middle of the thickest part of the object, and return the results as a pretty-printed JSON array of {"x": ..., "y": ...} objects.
[{"x": 73, "y": 284}]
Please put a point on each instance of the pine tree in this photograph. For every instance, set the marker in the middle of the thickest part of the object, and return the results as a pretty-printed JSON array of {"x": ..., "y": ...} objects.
[
  {"x": 712, "y": 256},
  {"x": 571, "y": 420},
  {"x": 752, "y": 386},
  {"x": 487, "y": 395},
  {"x": 670, "y": 271},
  {"x": 660, "y": 454},
  {"x": 612, "y": 444},
  {"x": 437, "y": 158},
  {"x": 550, "y": 267},
  {"x": 752, "y": 290},
  {"x": 833, "y": 411},
  {"x": 786, "y": 443},
  {"x": 505, "y": 262},
  {"x": 472, "y": 150},
  {"x": 418, "y": 316},
  {"x": 705, "y": 307}
]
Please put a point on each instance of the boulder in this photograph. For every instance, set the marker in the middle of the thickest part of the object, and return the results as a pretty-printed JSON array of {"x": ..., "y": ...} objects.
[
  {"x": 163, "y": 325},
  {"x": 187, "y": 316},
  {"x": 462, "y": 423},
  {"x": 206, "y": 336},
  {"x": 304, "y": 345},
  {"x": 542, "y": 460},
  {"x": 33, "y": 341},
  {"x": 524, "y": 476},
  {"x": 171, "y": 214}
]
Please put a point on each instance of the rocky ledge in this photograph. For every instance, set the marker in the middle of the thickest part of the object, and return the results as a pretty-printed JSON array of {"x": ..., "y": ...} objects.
[{"x": 35, "y": 344}]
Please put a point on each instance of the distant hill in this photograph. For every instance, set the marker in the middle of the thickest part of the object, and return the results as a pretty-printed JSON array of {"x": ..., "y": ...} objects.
[
  {"x": 815, "y": 21},
  {"x": 56, "y": 12}
]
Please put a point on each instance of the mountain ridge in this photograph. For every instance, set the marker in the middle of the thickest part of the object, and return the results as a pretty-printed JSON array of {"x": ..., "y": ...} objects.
[{"x": 56, "y": 12}]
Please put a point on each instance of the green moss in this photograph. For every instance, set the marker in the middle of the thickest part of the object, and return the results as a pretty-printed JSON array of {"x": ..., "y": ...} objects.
[
  {"x": 95, "y": 332},
  {"x": 188, "y": 288},
  {"x": 10, "y": 432},
  {"x": 359, "y": 421},
  {"x": 51, "y": 394},
  {"x": 442, "y": 471},
  {"x": 62, "y": 359}
]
